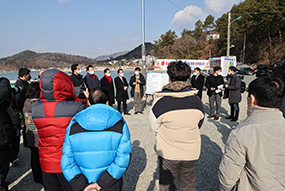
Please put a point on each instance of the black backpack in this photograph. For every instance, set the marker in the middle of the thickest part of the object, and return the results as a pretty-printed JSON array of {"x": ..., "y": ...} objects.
[{"x": 242, "y": 86}]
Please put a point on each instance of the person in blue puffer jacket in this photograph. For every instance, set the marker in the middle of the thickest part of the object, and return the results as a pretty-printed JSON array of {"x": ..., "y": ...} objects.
[{"x": 97, "y": 147}]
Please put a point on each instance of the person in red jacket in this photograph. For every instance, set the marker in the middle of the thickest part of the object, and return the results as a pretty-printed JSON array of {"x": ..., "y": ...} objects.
[{"x": 51, "y": 115}]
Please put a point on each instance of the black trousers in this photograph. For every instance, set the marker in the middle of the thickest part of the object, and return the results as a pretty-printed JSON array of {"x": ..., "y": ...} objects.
[
  {"x": 125, "y": 110},
  {"x": 4, "y": 166},
  {"x": 234, "y": 110},
  {"x": 56, "y": 182},
  {"x": 199, "y": 94},
  {"x": 172, "y": 170},
  {"x": 15, "y": 147},
  {"x": 35, "y": 164}
]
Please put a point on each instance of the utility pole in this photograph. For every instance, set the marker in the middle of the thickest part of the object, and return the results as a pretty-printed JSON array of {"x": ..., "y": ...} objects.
[
  {"x": 229, "y": 31},
  {"x": 143, "y": 40},
  {"x": 228, "y": 40},
  {"x": 243, "y": 49}
]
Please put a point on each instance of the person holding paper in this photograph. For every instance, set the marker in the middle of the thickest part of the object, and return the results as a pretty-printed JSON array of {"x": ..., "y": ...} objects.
[{"x": 215, "y": 85}]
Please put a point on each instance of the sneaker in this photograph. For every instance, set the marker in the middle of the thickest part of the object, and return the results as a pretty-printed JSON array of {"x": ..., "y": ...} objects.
[
  {"x": 136, "y": 112},
  {"x": 210, "y": 116},
  {"x": 141, "y": 112},
  {"x": 216, "y": 118}
]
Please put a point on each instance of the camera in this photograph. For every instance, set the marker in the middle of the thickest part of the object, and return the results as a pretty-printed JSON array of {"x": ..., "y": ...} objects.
[{"x": 16, "y": 90}]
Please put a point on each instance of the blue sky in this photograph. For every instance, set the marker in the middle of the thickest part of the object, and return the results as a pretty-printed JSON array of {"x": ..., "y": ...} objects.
[{"x": 93, "y": 28}]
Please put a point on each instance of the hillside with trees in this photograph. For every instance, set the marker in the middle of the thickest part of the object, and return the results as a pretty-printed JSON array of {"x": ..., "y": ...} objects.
[
  {"x": 261, "y": 22},
  {"x": 30, "y": 59},
  {"x": 136, "y": 53}
]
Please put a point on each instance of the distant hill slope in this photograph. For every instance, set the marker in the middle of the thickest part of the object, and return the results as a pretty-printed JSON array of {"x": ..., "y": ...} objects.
[
  {"x": 108, "y": 57},
  {"x": 32, "y": 59},
  {"x": 136, "y": 53}
]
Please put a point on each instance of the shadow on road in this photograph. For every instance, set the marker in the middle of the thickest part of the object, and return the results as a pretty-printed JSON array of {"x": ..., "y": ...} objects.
[
  {"x": 137, "y": 166},
  {"x": 208, "y": 165}
]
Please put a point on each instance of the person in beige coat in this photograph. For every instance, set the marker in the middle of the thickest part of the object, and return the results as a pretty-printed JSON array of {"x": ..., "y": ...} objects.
[
  {"x": 254, "y": 157},
  {"x": 176, "y": 115}
]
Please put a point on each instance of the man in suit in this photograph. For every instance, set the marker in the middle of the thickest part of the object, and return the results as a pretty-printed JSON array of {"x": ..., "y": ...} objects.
[
  {"x": 215, "y": 85},
  {"x": 137, "y": 82},
  {"x": 107, "y": 82},
  {"x": 91, "y": 80},
  {"x": 122, "y": 91},
  {"x": 197, "y": 82}
]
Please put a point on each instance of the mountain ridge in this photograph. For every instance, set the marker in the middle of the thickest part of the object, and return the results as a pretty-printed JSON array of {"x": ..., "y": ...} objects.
[{"x": 32, "y": 59}]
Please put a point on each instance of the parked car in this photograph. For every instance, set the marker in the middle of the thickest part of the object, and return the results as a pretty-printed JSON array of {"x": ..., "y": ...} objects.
[
  {"x": 263, "y": 70},
  {"x": 246, "y": 71}
]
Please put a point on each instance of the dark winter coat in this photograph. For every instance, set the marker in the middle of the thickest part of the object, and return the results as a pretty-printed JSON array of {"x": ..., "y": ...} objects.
[
  {"x": 198, "y": 84},
  {"x": 52, "y": 114},
  {"x": 14, "y": 110},
  {"x": 132, "y": 80},
  {"x": 77, "y": 80},
  {"x": 90, "y": 82},
  {"x": 210, "y": 83},
  {"x": 110, "y": 87},
  {"x": 7, "y": 132},
  {"x": 32, "y": 136},
  {"x": 121, "y": 94},
  {"x": 234, "y": 89},
  {"x": 22, "y": 84}
]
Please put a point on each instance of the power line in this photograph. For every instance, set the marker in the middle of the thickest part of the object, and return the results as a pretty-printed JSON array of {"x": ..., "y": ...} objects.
[
  {"x": 257, "y": 13},
  {"x": 182, "y": 9}
]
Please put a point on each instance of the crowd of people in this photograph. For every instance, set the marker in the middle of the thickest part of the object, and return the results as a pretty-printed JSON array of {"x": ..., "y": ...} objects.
[{"x": 84, "y": 144}]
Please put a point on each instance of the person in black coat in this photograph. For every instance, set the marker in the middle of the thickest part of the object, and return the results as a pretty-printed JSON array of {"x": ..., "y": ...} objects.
[
  {"x": 22, "y": 82},
  {"x": 197, "y": 81},
  {"x": 76, "y": 77},
  {"x": 234, "y": 93},
  {"x": 215, "y": 85},
  {"x": 107, "y": 82},
  {"x": 137, "y": 82},
  {"x": 7, "y": 132},
  {"x": 122, "y": 91},
  {"x": 91, "y": 80}
]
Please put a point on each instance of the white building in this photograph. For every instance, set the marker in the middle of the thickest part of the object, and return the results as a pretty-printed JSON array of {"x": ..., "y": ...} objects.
[{"x": 212, "y": 35}]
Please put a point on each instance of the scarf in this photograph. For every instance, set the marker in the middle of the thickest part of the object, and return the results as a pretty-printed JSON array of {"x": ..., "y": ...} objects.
[
  {"x": 177, "y": 86},
  {"x": 109, "y": 78}
]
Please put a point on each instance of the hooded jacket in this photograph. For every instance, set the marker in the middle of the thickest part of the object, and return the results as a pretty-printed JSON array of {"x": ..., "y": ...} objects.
[
  {"x": 254, "y": 157},
  {"x": 97, "y": 147},
  {"x": 176, "y": 116},
  {"x": 52, "y": 114}
]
